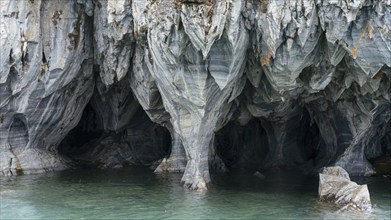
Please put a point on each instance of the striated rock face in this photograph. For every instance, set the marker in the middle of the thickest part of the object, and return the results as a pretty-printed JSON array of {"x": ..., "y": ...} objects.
[
  {"x": 196, "y": 73},
  {"x": 237, "y": 84},
  {"x": 335, "y": 185},
  {"x": 45, "y": 79}
]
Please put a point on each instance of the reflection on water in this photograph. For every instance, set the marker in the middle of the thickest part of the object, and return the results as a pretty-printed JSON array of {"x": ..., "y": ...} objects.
[{"x": 140, "y": 194}]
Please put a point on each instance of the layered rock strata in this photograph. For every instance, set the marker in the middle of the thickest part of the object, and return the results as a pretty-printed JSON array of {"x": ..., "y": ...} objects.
[
  {"x": 45, "y": 80},
  {"x": 294, "y": 84}
]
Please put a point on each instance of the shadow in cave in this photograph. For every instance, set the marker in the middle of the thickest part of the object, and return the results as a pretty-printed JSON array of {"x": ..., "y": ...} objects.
[
  {"x": 253, "y": 147},
  {"x": 242, "y": 147},
  {"x": 379, "y": 153},
  {"x": 140, "y": 143}
]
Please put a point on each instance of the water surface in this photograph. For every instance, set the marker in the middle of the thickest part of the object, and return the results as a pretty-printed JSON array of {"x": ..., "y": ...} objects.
[{"x": 140, "y": 194}]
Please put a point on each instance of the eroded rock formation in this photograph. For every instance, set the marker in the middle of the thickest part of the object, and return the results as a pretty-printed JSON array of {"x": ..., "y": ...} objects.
[
  {"x": 45, "y": 80},
  {"x": 335, "y": 186},
  {"x": 237, "y": 84}
]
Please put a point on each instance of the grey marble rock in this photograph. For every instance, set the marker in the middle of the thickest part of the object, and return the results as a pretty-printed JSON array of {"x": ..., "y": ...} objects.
[
  {"x": 237, "y": 84},
  {"x": 177, "y": 160},
  {"x": 196, "y": 78},
  {"x": 45, "y": 80},
  {"x": 335, "y": 186},
  {"x": 113, "y": 38}
]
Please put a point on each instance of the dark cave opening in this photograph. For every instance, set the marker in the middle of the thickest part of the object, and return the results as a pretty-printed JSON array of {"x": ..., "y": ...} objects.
[
  {"x": 379, "y": 154},
  {"x": 86, "y": 130},
  {"x": 140, "y": 143},
  {"x": 294, "y": 142},
  {"x": 242, "y": 147},
  {"x": 259, "y": 145},
  {"x": 385, "y": 142}
]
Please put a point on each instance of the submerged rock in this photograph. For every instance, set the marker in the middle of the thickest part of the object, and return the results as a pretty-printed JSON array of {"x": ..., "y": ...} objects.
[
  {"x": 259, "y": 175},
  {"x": 335, "y": 186}
]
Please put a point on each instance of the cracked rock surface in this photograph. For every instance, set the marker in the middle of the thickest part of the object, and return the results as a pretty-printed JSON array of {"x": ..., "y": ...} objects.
[{"x": 195, "y": 85}]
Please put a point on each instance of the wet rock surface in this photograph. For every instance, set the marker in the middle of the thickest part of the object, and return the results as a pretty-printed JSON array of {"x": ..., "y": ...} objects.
[
  {"x": 335, "y": 186},
  {"x": 220, "y": 84}
]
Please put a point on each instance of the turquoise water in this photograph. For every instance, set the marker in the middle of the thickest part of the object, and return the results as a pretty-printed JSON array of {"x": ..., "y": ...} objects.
[{"x": 140, "y": 194}]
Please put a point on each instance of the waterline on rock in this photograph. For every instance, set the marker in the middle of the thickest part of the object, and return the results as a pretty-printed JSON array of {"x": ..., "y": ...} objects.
[{"x": 139, "y": 193}]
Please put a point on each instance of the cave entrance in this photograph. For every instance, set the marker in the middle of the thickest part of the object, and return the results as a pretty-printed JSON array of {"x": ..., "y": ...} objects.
[
  {"x": 379, "y": 154},
  {"x": 242, "y": 147},
  {"x": 140, "y": 142},
  {"x": 263, "y": 144}
]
